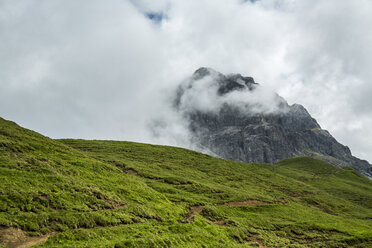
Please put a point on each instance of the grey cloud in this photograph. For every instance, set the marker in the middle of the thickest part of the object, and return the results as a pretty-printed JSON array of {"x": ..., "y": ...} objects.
[
  {"x": 81, "y": 65},
  {"x": 104, "y": 70}
]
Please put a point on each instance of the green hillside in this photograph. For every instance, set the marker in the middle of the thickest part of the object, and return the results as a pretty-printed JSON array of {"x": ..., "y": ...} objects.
[{"x": 79, "y": 193}]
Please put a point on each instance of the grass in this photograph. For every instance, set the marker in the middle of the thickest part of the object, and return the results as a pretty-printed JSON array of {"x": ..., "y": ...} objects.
[{"x": 125, "y": 194}]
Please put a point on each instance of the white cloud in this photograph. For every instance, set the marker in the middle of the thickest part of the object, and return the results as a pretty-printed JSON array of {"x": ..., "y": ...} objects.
[
  {"x": 100, "y": 69},
  {"x": 202, "y": 95}
]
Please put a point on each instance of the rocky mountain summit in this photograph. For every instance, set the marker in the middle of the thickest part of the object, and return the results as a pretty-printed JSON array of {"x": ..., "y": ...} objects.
[{"x": 233, "y": 117}]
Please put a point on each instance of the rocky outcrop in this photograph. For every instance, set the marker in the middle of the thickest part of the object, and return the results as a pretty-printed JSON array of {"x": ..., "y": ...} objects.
[{"x": 261, "y": 130}]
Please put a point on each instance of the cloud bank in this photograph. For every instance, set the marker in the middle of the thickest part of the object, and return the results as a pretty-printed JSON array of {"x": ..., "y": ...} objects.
[{"x": 102, "y": 70}]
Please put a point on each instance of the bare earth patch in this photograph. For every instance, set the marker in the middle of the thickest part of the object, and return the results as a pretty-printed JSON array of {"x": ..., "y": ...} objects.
[
  {"x": 219, "y": 222},
  {"x": 132, "y": 172},
  {"x": 259, "y": 241},
  {"x": 194, "y": 210},
  {"x": 16, "y": 238}
]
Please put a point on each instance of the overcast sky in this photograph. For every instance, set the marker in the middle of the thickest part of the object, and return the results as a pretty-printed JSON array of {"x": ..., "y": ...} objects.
[{"x": 100, "y": 69}]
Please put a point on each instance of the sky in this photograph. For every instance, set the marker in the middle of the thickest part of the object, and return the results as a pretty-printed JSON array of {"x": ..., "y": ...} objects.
[{"x": 105, "y": 69}]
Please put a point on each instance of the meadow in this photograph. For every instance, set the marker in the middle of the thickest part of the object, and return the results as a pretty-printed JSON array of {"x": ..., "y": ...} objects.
[{"x": 90, "y": 193}]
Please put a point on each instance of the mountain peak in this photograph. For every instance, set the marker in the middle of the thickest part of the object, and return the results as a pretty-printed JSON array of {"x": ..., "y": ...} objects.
[
  {"x": 202, "y": 72},
  {"x": 235, "y": 118}
]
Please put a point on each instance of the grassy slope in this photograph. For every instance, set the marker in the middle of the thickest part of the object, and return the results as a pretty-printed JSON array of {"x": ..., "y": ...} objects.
[{"x": 109, "y": 193}]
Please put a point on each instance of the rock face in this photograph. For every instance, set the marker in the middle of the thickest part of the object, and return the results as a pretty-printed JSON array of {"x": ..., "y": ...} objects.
[{"x": 265, "y": 129}]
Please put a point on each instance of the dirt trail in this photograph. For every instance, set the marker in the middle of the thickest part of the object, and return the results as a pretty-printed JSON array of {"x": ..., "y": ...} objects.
[
  {"x": 246, "y": 203},
  {"x": 16, "y": 238},
  {"x": 194, "y": 210}
]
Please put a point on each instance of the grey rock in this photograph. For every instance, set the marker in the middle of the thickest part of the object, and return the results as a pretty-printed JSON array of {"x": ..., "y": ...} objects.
[{"x": 239, "y": 134}]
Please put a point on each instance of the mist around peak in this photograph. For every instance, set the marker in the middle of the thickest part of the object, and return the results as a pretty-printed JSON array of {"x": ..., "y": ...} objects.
[{"x": 208, "y": 91}]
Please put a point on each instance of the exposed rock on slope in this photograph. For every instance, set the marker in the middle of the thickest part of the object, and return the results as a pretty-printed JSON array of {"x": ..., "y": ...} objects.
[{"x": 233, "y": 117}]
